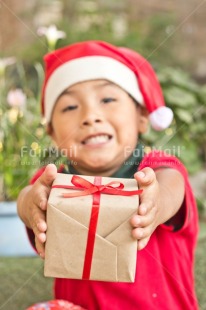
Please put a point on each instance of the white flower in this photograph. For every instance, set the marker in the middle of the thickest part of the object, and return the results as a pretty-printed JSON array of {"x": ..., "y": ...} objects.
[
  {"x": 16, "y": 98},
  {"x": 52, "y": 34},
  {"x": 4, "y": 62}
]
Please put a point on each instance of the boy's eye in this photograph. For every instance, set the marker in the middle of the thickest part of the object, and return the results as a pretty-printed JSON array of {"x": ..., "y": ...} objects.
[
  {"x": 70, "y": 108},
  {"x": 107, "y": 100}
]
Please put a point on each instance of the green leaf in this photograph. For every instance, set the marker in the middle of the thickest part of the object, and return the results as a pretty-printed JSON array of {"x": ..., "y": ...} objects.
[
  {"x": 191, "y": 160},
  {"x": 177, "y": 77},
  {"x": 184, "y": 115},
  {"x": 199, "y": 127},
  {"x": 176, "y": 96}
]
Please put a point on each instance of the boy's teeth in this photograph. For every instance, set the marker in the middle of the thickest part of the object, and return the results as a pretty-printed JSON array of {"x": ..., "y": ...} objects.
[{"x": 97, "y": 139}]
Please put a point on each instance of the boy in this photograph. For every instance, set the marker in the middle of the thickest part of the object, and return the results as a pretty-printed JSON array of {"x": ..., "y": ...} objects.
[{"x": 97, "y": 99}]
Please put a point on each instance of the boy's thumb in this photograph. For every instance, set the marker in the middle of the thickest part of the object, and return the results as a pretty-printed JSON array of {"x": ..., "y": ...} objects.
[
  {"x": 48, "y": 175},
  {"x": 145, "y": 177}
]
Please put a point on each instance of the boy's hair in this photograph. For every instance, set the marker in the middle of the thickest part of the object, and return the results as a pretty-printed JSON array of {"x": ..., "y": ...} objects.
[{"x": 91, "y": 60}]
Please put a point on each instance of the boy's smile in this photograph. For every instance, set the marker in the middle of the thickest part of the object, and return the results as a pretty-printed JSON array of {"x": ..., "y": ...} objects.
[
  {"x": 100, "y": 138},
  {"x": 97, "y": 122}
]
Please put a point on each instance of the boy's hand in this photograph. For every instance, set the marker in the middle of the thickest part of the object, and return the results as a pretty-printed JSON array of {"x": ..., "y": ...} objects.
[
  {"x": 145, "y": 222},
  {"x": 36, "y": 204}
]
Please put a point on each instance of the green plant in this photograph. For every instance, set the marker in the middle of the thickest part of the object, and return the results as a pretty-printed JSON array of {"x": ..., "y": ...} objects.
[
  {"x": 186, "y": 137},
  {"x": 21, "y": 129},
  {"x": 23, "y": 142}
]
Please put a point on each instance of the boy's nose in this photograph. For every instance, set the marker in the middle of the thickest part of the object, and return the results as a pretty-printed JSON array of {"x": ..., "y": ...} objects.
[{"x": 90, "y": 120}]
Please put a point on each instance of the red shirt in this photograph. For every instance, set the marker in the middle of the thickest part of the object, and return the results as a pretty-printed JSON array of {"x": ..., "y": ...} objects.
[{"x": 164, "y": 275}]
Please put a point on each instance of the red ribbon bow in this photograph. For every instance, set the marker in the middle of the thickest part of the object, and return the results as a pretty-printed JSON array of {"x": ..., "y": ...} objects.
[{"x": 87, "y": 188}]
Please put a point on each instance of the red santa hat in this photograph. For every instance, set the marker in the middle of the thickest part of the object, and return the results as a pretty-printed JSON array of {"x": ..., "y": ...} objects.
[{"x": 93, "y": 60}]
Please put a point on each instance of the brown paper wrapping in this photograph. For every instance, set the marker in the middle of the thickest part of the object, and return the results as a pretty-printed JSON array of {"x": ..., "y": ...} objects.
[{"x": 115, "y": 250}]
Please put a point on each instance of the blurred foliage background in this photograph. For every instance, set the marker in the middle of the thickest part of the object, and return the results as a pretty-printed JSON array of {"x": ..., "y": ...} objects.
[{"x": 168, "y": 34}]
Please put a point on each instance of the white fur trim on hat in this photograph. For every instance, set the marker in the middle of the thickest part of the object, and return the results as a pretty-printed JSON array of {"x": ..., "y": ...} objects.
[
  {"x": 161, "y": 118},
  {"x": 89, "y": 68}
]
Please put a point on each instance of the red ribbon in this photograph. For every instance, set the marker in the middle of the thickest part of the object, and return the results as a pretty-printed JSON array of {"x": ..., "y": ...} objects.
[{"x": 93, "y": 189}]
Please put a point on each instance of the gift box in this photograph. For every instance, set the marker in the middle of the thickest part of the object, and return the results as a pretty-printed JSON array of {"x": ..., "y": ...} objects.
[{"x": 89, "y": 231}]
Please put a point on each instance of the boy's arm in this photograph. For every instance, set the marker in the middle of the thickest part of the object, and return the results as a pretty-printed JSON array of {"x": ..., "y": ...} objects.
[
  {"x": 162, "y": 197},
  {"x": 32, "y": 203},
  {"x": 172, "y": 192}
]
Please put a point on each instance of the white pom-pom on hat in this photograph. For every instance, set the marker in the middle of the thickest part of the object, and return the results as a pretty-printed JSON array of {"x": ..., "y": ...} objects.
[
  {"x": 99, "y": 60},
  {"x": 161, "y": 118}
]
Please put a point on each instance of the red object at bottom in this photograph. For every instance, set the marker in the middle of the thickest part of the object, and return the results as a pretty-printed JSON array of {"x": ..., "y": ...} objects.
[{"x": 55, "y": 305}]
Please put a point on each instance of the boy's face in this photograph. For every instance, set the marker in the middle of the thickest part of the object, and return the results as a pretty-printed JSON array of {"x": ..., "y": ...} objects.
[{"x": 97, "y": 123}]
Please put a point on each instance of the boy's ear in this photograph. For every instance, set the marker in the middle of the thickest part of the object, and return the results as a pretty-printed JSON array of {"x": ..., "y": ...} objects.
[
  {"x": 51, "y": 133},
  {"x": 143, "y": 120},
  {"x": 49, "y": 130}
]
